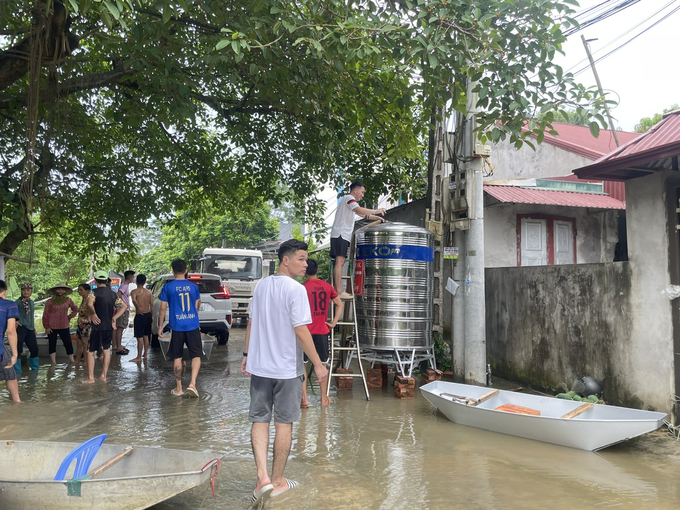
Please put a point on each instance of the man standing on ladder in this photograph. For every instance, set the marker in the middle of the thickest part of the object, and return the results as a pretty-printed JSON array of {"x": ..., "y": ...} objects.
[{"x": 343, "y": 229}]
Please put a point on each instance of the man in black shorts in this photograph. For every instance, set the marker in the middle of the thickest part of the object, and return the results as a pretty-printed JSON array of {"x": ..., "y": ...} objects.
[
  {"x": 320, "y": 295},
  {"x": 102, "y": 303},
  {"x": 143, "y": 301},
  {"x": 183, "y": 300},
  {"x": 343, "y": 229}
]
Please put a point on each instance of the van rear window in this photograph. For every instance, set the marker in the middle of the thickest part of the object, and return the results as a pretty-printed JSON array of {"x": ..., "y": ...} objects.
[{"x": 211, "y": 286}]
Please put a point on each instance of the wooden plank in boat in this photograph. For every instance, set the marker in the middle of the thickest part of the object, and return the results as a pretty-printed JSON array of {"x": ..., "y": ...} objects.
[
  {"x": 579, "y": 410},
  {"x": 514, "y": 408}
]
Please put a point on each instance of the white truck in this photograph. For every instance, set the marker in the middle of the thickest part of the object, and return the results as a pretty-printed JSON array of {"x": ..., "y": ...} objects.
[{"x": 240, "y": 271}]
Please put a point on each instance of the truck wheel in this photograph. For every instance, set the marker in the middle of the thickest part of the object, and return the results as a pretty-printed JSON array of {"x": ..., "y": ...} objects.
[{"x": 222, "y": 337}]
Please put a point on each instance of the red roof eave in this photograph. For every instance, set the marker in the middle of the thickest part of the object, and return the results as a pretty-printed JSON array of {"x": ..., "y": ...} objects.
[{"x": 518, "y": 195}]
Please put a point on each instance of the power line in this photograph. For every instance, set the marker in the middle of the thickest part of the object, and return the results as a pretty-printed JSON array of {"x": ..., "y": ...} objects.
[
  {"x": 663, "y": 18},
  {"x": 599, "y": 16},
  {"x": 620, "y": 36}
]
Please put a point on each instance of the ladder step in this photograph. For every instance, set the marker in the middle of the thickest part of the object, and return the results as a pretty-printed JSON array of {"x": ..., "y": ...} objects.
[
  {"x": 345, "y": 349},
  {"x": 345, "y": 375},
  {"x": 345, "y": 324}
]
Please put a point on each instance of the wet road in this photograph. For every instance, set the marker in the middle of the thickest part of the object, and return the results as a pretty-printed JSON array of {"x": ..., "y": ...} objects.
[{"x": 383, "y": 454}]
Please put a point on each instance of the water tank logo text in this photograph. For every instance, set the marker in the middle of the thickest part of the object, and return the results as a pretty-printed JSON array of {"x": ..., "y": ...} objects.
[{"x": 392, "y": 251}]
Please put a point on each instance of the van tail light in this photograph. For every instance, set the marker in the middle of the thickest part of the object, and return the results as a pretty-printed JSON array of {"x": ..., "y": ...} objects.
[
  {"x": 229, "y": 319},
  {"x": 222, "y": 295}
]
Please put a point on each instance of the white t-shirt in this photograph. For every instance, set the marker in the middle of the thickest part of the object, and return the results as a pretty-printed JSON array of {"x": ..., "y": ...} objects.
[
  {"x": 343, "y": 226},
  {"x": 279, "y": 305}
]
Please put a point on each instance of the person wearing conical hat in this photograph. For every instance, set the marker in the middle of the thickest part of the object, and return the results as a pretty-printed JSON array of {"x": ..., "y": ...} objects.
[
  {"x": 26, "y": 328},
  {"x": 56, "y": 319}
]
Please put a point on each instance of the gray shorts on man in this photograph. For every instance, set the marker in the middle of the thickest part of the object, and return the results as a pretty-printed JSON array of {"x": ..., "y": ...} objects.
[{"x": 282, "y": 394}]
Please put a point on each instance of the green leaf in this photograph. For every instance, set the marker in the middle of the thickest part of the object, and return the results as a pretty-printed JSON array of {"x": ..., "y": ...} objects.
[
  {"x": 222, "y": 44},
  {"x": 112, "y": 9},
  {"x": 594, "y": 129}
]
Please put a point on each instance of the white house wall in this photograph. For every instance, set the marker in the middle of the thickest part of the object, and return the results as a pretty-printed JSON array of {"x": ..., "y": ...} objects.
[
  {"x": 546, "y": 161},
  {"x": 649, "y": 354},
  {"x": 596, "y": 233}
]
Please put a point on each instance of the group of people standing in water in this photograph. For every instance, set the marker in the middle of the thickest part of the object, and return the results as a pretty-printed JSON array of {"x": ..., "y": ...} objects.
[{"x": 102, "y": 316}]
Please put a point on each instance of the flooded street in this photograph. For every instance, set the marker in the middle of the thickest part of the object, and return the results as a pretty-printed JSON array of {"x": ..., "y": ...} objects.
[{"x": 382, "y": 454}]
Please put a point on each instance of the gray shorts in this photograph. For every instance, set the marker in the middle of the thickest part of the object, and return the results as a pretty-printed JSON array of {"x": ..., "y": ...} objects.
[{"x": 284, "y": 395}]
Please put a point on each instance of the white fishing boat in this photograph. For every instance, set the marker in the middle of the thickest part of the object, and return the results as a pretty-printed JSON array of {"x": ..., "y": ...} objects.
[
  {"x": 122, "y": 478},
  {"x": 587, "y": 426}
]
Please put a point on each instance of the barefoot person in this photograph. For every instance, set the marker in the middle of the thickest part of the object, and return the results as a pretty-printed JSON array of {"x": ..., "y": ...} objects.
[
  {"x": 56, "y": 318},
  {"x": 9, "y": 315},
  {"x": 84, "y": 324},
  {"x": 183, "y": 299},
  {"x": 123, "y": 320},
  {"x": 102, "y": 304},
  {"x": 143, "y": 301},
  {"x": 343, "y": 229},
  {"x": 276, "y": 336},
  {"x": 320, "y": 294}
]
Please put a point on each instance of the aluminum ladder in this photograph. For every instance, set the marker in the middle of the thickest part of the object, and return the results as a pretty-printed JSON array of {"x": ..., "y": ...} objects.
[{"x": 353, "y": 348}]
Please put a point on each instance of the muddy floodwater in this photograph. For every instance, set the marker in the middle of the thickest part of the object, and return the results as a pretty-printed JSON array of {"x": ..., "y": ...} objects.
[{"x": 382, "y": 454}]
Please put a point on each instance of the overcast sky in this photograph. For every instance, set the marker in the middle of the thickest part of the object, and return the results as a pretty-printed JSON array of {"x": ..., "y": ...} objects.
[{"x": 645, "y": 73}]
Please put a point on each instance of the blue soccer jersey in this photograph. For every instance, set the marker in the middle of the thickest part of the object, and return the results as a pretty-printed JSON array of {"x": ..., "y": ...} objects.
[
  {"x": 8, "y": 310},
  {"x": 181, "y": 296}
]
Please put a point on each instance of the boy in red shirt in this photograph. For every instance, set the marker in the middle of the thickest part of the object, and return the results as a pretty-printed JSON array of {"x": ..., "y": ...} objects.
[{"x": 320, "y": 294}]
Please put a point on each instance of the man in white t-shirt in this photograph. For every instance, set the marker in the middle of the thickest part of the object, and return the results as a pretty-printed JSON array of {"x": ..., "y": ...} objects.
[
  {"x": 343, "y": 228},
  {"x": 276, "y": 336}
]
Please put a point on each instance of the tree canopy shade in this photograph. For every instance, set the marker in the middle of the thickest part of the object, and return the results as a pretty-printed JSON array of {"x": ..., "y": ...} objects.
[
  {"x": 188, "y": 235},
  {"x": 113, "y": 111}
]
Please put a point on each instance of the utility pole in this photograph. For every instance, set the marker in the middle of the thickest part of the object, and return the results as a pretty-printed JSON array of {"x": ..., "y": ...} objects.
[
  {"x": 474, "y": 285},
  {"x": 599, "y": 87}
]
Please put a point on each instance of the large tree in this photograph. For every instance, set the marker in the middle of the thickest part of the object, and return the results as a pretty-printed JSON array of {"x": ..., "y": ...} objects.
[
  {"x": 114, "y": 111},
  {"x": 189, "y": 234}
]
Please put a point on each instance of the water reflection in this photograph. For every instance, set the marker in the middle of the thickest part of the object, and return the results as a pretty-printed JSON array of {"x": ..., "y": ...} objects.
[{"x": 383, "y": 454}]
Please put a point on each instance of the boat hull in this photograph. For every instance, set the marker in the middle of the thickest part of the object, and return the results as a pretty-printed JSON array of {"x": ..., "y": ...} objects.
[
  {"x": 597, "y": 428},
  {"x": 138, "y": 481}
]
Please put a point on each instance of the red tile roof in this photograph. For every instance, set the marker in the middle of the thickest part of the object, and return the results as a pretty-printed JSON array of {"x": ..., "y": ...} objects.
[
  {"x": 655, "y": 150},
  {"x": 579, "y": 140},
  {"x": 517, "y": 195}
]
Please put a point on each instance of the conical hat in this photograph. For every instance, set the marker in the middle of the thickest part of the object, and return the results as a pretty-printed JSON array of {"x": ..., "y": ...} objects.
[{"x": 53, "y": 290}]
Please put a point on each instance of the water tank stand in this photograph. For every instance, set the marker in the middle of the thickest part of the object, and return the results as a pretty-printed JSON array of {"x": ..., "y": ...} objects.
[
  {"x": 404, "y": 359},
  {"x": 339, "y": 346}
]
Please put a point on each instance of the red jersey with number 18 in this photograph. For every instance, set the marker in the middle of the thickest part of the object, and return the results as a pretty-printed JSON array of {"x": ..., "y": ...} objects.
[{"x": 320, "y": 294}]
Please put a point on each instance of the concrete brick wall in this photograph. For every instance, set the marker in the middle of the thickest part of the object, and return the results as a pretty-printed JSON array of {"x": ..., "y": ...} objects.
[{"x": 549, "y": 325}]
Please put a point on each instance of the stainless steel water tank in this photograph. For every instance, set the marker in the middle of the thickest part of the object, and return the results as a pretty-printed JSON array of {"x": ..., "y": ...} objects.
[{"x": 393, "y": 285}]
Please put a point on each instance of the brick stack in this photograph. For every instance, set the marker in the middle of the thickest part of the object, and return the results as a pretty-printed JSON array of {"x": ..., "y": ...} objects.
[
  {"x": 432, "y": 375},
  {"x": 374, "y": 376},
  {"x": 345, "y": 383},
  {"x": 404, "y": 387}
]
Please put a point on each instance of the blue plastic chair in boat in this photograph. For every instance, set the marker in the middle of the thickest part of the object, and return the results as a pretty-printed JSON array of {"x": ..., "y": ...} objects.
[{"x": 83, "y": 454}]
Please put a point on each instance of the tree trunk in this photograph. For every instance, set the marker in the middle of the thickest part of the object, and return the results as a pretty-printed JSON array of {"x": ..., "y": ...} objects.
[{"x": 58, "y": 43}]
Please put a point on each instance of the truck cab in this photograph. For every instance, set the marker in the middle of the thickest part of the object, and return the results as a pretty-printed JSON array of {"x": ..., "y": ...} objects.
[{"x": 240, "y": 271}]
